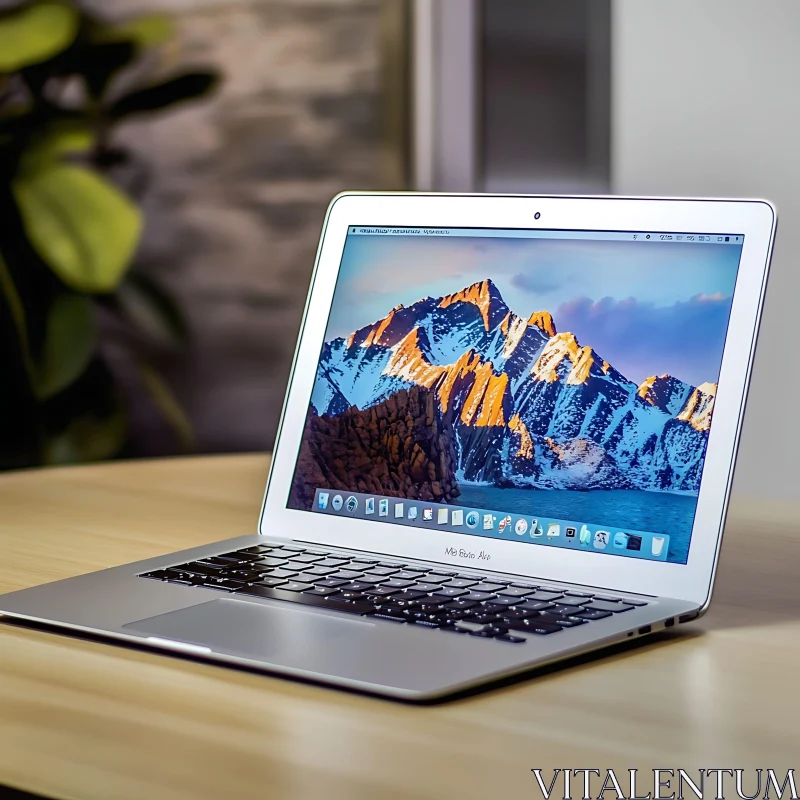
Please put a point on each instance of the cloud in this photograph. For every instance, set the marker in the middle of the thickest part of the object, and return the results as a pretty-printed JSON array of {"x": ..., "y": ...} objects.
[
  {"x": 535, "y": 283},
  {"x": 685, "y": 339}
]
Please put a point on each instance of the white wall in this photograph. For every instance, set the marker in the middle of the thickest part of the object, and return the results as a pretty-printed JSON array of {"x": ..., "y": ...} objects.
[{"x": 706, "y": 101}]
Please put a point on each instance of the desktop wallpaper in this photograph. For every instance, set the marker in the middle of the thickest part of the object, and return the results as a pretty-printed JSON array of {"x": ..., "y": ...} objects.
[{"x": 565, "y": 377}]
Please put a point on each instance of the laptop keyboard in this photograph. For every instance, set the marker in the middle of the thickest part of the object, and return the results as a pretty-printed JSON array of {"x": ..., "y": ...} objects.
[{"x": 469, "y": 604}]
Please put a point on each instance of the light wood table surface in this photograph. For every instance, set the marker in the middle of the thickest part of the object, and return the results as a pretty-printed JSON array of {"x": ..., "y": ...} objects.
[{"x": 83, "y": 719}]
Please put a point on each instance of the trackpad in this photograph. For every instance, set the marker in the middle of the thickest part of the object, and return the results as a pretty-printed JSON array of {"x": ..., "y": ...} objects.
[{"x": 255, "y": 631}]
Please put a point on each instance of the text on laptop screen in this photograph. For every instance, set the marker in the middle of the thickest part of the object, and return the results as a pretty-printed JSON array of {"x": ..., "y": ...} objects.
[{"x": 550, "y": 387}]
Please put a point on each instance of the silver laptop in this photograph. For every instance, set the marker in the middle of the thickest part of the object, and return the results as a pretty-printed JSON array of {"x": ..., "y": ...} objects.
[{"x": 508, "y": 438}]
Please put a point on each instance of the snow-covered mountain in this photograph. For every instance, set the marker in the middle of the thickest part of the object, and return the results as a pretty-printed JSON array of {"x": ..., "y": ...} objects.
[{"x": 527, "y": 405}]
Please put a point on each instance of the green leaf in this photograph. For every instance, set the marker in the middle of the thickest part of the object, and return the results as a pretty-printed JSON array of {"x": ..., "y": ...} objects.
[
  {"x": 68, "y": 345},
  {"x": 169, "y": 406},
  {"x": 82, "y": 226},
  {"x": 149, "y": 30},
  {"x": 35, "y": 33},
  {"x": 60, "y": 140},
  {"x": 88, "y": 438},
  {"x": 152, "y": 311},
  {"x": 175, "y": 90}
]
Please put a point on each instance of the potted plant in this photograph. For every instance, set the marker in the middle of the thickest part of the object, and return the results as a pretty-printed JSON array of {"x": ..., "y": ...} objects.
[{"x": 69, "y": 230}]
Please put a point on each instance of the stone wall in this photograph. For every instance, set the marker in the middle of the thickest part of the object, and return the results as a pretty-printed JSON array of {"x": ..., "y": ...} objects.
[{"x": 239, "y": 188}]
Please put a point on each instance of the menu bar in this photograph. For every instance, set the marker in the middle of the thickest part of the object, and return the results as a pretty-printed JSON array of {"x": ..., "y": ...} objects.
[
  {"x": 549, "y": 532},
  {"x": 643, "y": 237}
]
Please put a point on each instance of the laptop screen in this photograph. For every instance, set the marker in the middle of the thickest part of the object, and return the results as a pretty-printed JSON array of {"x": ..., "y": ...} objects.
[{"x": 549, "y": 387}]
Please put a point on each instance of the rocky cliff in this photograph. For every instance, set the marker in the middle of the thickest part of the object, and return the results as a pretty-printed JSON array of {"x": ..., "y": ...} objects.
[
  {"x": 401, "y": 447},
  {"x": 529, "y": 405}
]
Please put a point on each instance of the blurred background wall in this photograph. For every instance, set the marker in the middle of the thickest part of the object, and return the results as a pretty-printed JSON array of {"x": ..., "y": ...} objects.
[
  {"x": 533, "y": 96},
  {"x": 705, "y": 104},
  {"x": 239, "y": 188}
]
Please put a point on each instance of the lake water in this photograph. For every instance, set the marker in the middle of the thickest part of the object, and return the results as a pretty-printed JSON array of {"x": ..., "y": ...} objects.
[{"x": 657, "y": 512}]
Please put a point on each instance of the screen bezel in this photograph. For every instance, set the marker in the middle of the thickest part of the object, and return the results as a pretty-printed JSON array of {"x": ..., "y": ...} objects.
[{"x": 754, "y": 219}]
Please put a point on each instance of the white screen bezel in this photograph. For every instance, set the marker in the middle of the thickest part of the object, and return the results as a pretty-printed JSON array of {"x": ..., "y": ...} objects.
[{"x": 692, "y": 581}]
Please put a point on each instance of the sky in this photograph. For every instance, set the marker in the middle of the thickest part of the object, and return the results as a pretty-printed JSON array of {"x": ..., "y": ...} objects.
[{"x": 648, "y": 308}]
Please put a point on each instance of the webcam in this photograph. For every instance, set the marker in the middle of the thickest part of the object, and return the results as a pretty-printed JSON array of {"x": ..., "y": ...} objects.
[{"x": 537, "y": 215}]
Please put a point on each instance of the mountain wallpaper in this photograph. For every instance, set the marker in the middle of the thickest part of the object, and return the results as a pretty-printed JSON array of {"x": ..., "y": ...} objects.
[{"x": 457, "y": 398}]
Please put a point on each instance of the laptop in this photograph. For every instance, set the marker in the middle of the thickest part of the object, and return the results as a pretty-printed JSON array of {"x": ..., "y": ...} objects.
[{"x": 508, "y": 439}]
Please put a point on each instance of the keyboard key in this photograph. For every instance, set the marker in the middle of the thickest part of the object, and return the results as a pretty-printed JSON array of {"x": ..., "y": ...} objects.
[
  {"x": 557, "y": 608},
  {"x": 223, "y": 584},
  {"x": 502, "y": 600},
  {"x": 348, "y": 573},
  {"x": 356, "y": 586},
  {"x": 303, "y": 577},
  {"x": 259, "y": 548},
  {"x": 296, "y": 586},
  {"x": 226, "y": 559},
  {"x": 478, "y": 596},
  {"x": 349, "y": 594},
  {"x": 636, "y": 602},
  {"x": 534, "y": 625},
  {"x": 390, "y": 617},
  {"x": 432, "y": 607},
  {"x": 199, "y": 568},
  {"x": 518, "y": 613},
  {"x": 534, "y": 605},
  {"x": 158, "y": 575},
  {"x": 315, "y": 570},
  {"x": 392, "y": 564},
  {"x": 563, "y": 621},
  {"x": 402, "y": 601},
  {"x": 373, "y": 578},
  {"x": 578, "y": 594},
  {"x": 292, "y": 548},
  {"x": 600, "y": 605},
  {"x": 426, "y": 587},
  {"x": 381, "y": 591},
  {"x": 331, "y": 582},
  {"x": 280, "y": 572},
  {"x": 462, "y": 583},
  {"x": 516, "y": 591},
  {"x": 400, "y": 584},
  {"x": 455, "y": 614},
  {"x": 573, "y": 600},
  {"x": 271, "y": 561},
  {"x": 408, "y": 575},
  {"x": 460, "y": 605},
  {"x": 452, "y": 591},
  {"x": 592, "y": 614},
  {"x": 442, "y": 573},
  {"x": 240, "y": 556},
  {"x": 306, "y": 558},
  {"x": 246, "y": 576},
  {"x": 322, "y": 591},
  {"x": 486, "y": 587},
  {"x": 507, "y": 637},
  {"x": 271, "y": 582},
  {"x": 332, "y": 562},
  {"x": 486, "y": 618},
  {"x": 544, "y": 595},
  {"x": 384, "y": 570}
]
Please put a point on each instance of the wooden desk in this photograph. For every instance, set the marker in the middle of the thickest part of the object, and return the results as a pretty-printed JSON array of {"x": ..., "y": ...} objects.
[{"x": 87, "y": 720}]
